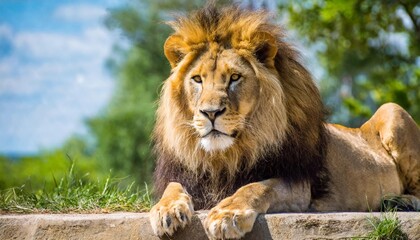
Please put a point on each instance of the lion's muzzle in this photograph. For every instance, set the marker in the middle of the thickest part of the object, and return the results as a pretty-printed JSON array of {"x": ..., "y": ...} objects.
[{"x": 213, "y": 113}]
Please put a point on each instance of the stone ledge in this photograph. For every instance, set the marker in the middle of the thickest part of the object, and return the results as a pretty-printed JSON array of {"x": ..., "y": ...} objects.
[{"x": 136, "y": 226}]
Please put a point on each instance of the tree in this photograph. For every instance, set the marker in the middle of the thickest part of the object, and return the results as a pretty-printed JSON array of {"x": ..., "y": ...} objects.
[
  {"x": 369, "y": 49},
  {"x": 123, "y": 130}
]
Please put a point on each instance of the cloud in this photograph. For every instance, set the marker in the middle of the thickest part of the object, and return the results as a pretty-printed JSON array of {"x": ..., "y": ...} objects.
[
  {"x": 50, "y": 82},
  {"x": 78, "y": 13},
  {"x": 41, "y": 45},
  {"x": 5, "y": 31},
  {"x": 39, "y": 58}
]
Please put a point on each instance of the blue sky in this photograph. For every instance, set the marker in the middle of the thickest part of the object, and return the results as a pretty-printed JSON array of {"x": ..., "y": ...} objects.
[{"x": 52, "y": 74}]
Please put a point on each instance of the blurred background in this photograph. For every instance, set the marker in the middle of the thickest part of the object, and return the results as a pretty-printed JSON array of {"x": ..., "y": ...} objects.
[{"x": 79, "y": 79}]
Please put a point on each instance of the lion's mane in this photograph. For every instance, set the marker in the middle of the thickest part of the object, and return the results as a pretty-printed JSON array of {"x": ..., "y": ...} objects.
[{"x": 286, "y": 141}]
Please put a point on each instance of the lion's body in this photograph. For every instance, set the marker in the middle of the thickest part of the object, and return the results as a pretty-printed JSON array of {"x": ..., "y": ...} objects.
[
  {"x": 240, "y": 129},
  {"x": 380, "y": 158}
]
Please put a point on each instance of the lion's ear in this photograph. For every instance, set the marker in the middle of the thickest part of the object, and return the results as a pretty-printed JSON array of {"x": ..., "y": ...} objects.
[
  {"x": 265, "y": 48},
  {"x": 175, "y": 49}
]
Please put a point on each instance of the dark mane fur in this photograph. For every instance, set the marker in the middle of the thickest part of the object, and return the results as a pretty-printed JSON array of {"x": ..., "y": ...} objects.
[{"x": 291, "y": 162}]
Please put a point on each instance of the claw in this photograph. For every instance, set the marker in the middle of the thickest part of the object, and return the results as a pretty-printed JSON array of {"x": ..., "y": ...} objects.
[
  {"x": 183, "y": 217},
  {"x": 168, "y": 221}
]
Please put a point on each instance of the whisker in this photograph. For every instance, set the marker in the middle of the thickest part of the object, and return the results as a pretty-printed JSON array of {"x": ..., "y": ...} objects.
[{"x": 187, "y": 123}]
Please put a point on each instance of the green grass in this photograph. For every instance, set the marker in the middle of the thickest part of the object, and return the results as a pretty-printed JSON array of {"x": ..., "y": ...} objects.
[
  {"x": 388, "y": 226},
  {"x": 72, "y": 194}
]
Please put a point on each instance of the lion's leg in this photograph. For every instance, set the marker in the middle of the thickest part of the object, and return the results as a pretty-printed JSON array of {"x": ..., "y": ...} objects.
[
  {"x": 234, "y": 216},
  {"x": 400, "y": 136},
  {"x": 174, "y": 210}
]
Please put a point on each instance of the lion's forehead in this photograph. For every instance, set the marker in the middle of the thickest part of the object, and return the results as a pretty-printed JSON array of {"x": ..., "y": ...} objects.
[{"x": 219, "y": 65}]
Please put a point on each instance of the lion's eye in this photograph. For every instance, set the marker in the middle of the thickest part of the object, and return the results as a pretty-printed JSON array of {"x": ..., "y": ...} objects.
[
  {"x": 197, "y": 79},
  {"x": 235, "y": 77}
]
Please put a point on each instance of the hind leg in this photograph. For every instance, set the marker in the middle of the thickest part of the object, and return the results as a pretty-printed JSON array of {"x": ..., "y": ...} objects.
[{"x": 399, "y": 135}]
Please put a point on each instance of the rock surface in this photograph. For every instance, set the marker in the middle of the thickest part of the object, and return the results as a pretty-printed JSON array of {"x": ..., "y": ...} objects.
[{"x": 136, "y": 226}]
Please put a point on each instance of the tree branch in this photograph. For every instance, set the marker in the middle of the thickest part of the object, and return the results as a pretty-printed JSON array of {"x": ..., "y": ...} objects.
[{"x": 412, "y": 17}]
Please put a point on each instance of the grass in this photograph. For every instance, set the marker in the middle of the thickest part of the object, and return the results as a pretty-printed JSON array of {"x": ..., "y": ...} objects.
[
  {"x": 72, "y": 194},
  {"x": 388, "y": 226}
]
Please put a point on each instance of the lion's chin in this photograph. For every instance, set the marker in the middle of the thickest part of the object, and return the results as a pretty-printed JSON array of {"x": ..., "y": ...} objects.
[{"x": 219, "y": 142}]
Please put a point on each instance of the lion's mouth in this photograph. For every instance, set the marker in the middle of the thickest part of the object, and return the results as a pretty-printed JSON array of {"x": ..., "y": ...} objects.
[{"x": 217, "y": 133}]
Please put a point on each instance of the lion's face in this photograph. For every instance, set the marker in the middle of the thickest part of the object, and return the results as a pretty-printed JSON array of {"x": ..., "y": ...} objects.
[
  {"x": 221, "y": 92},
  {"x": 236, "y": 96}
]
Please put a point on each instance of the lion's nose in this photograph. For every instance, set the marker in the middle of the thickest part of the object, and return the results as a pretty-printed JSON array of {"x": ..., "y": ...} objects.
[{"x": 212, "y": 114}]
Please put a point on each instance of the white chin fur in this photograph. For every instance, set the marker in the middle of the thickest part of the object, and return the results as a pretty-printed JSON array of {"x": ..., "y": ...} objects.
[{"x": 216, "y": 143}]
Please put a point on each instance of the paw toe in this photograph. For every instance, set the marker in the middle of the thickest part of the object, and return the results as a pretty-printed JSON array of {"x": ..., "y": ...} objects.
[{"x": 229, "y": 224}]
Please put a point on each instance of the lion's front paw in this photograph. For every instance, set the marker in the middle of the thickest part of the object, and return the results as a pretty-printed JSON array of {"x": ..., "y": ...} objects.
[
  {"x": 229, "y": 221},
  {"x": 170, "y": 214}
]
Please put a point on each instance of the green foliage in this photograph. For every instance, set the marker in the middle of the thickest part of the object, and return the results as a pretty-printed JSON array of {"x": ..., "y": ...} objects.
[
  {"x": 40, "y": 171},
  {"x": 386, "y": 227},
  {"x": 69, "y": 179},
  {"x": 123, "y": 130},
  {"x": 74, "y": 193},
  {"x": 369, "y": 49}
]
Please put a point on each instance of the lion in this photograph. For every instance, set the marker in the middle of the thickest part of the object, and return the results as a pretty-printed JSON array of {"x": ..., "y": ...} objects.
[{"x": 241, "y": 131}]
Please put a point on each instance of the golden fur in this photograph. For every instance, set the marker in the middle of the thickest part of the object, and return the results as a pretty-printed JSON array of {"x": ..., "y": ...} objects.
[{"x": 240, "y": 130}]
